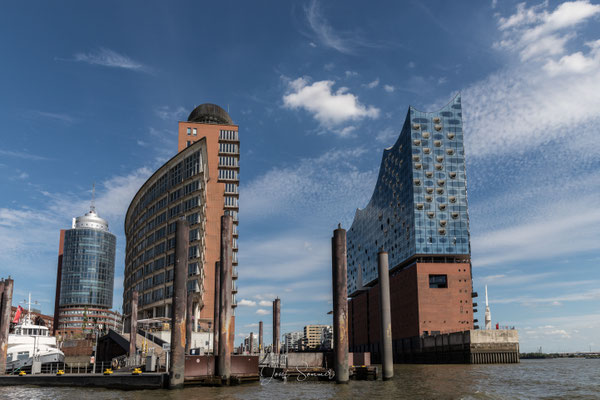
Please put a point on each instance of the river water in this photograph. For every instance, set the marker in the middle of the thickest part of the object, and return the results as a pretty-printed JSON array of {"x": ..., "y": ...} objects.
[{"x": 531, "y": 379}]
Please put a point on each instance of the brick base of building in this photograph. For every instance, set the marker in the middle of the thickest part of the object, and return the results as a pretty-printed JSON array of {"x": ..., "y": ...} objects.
[{"x": 418, "y": 307}]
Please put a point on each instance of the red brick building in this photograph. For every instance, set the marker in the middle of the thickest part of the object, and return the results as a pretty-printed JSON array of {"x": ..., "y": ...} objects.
[{"x": 199, "y": 183}]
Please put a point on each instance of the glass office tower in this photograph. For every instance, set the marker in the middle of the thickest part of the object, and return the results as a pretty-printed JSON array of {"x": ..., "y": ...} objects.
[{"x": 87, "y": 274}]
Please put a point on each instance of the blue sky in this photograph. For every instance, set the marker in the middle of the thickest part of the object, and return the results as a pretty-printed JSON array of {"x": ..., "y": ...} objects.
[{"x": 93, "y": 93}]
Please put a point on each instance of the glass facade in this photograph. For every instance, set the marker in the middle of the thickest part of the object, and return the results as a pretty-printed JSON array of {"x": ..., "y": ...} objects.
[
  {"x": 419, "y": 206},
  {"x": 88, "y": 268}
]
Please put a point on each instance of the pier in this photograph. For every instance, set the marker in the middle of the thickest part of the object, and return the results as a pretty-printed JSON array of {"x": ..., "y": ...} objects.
[{"x": 124, "y": 381}]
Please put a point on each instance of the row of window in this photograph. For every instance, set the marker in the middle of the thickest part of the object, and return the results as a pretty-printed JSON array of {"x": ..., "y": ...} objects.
[
  {"x": 228, "y": 135},
  {"x": 228, "y": 174},
  {"x": 184, "y": 169},
  {"x": 229, "y": 148},
  {"x": 192, "y": 131},
  {"x": 231, "y": 201},
  {"x": 227, "y": 161},
  {"x": 231, "y": 188}
]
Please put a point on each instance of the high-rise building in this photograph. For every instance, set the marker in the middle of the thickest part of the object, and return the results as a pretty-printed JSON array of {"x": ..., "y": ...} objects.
[
  {"x": 200, "y": 183},
  {"x": 418, "y": 215},
  {"x": 293, "y": 341},
  {"x": 85, "y": 278},
  {"x": 313, "y": 336}
]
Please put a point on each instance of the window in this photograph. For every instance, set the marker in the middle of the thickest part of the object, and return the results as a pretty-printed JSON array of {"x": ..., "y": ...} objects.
[
  {"x": 189, "y": 131},
  {"x": 188, "y": 144},
  {"x": 225, "y": 174},
  {"x": 231, "y": 188},
  {"x": 438, "y": 281},
  {"x": 231, "y": 201},
  {"x": 194, "y": 132}
]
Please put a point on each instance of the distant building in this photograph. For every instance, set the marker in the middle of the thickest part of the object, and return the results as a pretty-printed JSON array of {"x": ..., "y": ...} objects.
[
  {"x": 199, "y": 183},
  {"x": 327, "y": 338},
  {"x": 313, "y": 336},
  {"x": 293, "y": 341},
  {"x": 85, "y": 277},
  {"x": 418, "y": 215},
  {"x": 246, "y": 346}
]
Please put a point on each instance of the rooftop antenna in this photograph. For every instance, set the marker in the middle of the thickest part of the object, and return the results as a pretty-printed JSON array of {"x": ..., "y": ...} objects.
[
  {"x": 488, "y": 314},
  {"x": 93, "y": 205}
]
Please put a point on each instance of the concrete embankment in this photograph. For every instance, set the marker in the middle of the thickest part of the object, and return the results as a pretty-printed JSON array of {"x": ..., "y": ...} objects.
[{"x": 114, "y": 381}]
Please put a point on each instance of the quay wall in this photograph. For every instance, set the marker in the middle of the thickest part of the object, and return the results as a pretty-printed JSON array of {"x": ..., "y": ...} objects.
[
  {"x": 115, "y": 381},
  {"x": 467, "y": 347}
]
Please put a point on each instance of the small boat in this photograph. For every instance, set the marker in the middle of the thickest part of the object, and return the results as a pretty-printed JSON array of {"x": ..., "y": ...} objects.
[{"x": 30, "y": 342}]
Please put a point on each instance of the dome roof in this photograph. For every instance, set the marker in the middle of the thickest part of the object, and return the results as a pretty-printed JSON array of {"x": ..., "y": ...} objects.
[
  {"x": 208, "y": 113},
  {"x": 91, "y": 220}
]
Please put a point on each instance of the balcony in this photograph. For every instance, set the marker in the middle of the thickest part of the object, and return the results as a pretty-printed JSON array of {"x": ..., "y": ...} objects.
[
  {"x": 234, "y": 273},
  {"x": 234, "y": 288}
]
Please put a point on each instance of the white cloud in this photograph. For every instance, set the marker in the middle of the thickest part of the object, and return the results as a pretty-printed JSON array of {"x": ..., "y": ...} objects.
[
  {"x": 535, "y": 32},
  {"x": 22, "y": 175},
  {"x": 387, "y": 136},
  {"x": 287, "y": 250},
  {"x": 521, "y": 108},
  {"x": 346, "y": 42},
  {"x": 328, "y": 107},
  {"x": 109, "y": 58},
  {"x": 389, "y": 88},
  {"x": 329, "y": 66},
  {"x": 514, "y": 278},
  {"x": 246, "y": 303},
  {"x": 18, "y": 235},
  {"x": 411, "y": 64},
  {"x": 576, "y": 63},
  {"x": 57, "y": 116},
  {"x": 22, "y": 154},
  {"x": 373, "y": 84},
  {"x": 556, "y": 231},
  {"x": 591, "y": 294},
  {"x": 351, "y": 73},
  {"x": 170, "y": 114},
  {"x": 265, "y": 303},
  {"x": 262, "y": 311},
  {"x": 303, "y": 191},
  {"x": 345, "y": 131}
]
